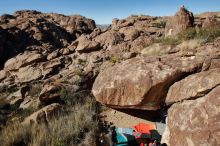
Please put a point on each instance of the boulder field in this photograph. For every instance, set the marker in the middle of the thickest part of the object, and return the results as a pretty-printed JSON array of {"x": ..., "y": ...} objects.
[{"x": 123, "y": 65}]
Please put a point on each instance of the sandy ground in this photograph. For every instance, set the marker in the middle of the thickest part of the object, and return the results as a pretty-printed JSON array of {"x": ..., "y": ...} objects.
[{"x": 122, "y": 118}]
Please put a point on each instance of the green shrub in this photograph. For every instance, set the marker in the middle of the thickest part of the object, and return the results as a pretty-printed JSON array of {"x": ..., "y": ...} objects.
[
  {"x": 207, "y": 34},
  {"x": 114, "y": 59},
  {"x": 78, "y": 72}
]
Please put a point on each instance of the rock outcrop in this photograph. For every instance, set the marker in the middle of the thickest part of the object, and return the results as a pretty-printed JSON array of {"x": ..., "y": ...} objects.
[
  {"x": 121, "y": 65},
  {"x": 32, "y": 30},
  {"x": 182, "y": 20},
  {"x": 211, "y": 22},
  {"x": 194, "y": 122}
]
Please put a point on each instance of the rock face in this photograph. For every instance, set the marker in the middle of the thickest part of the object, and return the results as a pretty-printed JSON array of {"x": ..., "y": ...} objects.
[
  {"x": 141, "y": 83},
  {"x": 194, "y": 122},
  {"x": 182, "y": 20},
  {"x": 193, "y": 86}
]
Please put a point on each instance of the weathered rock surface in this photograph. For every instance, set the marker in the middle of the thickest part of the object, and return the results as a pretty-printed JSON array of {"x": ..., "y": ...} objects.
[
  {"x": 74, "y": 24},
  {"x": 109, "y": 38},
  {"x": 194, "y": 122},
  {"x": 50, "y": 93},
  {"x": 53, "y": 55},
  {"x": 193, "y": 86},
  {"x": 182, "y": 20},
  {"x": 141, "y": 83},
  {"x": 86, "y": 45},
  {"x": 2, "y": 75},
  {"x": 43, "y": 115},
  {"x": 28, "y": 74},
  {"x": 24, "y": 59}
]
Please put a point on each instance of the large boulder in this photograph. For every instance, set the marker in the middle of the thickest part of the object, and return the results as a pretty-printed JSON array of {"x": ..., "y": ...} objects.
[
  {"x": 194, "y": 122},
  {"x": 141, "y": 83},
  {"x": 182, "y": 20},
  {"x": 193, "y": 86}
]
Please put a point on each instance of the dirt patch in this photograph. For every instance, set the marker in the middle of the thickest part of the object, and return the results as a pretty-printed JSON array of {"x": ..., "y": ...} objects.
[{"x": 126, "y": 118}]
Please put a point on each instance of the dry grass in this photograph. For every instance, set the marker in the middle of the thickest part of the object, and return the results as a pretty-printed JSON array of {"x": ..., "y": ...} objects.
[
  {"x": 35, "y": 90},
  {"x": 156, "y": 49},
  {"x": 190, "y": 44},
  {"x": 76, "y": 127}
]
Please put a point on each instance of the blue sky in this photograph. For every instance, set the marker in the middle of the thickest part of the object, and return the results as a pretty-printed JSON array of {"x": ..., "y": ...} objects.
[{"x": 103, "y": 11}]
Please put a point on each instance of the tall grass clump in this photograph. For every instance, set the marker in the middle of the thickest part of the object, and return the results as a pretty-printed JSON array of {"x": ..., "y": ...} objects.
[
  {"x": 173, "y": 41},
  {"x": 209, "y": 35},
  {"x": 205, "y": 34},
  {"x": 76, "y": 126}
]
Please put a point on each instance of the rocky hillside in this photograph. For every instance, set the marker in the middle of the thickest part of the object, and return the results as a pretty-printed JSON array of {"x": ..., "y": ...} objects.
[{"x": 141, "y": 62}]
